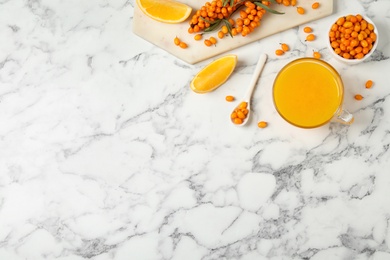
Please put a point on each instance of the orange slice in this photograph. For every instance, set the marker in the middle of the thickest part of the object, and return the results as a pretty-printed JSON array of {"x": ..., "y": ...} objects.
[
  {"x": 167, "y": 11},
  {"x": 214, "y": 74}
]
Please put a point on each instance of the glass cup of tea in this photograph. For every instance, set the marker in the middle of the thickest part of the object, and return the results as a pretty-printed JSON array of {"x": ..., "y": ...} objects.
[{"x": 308, "y": 93}]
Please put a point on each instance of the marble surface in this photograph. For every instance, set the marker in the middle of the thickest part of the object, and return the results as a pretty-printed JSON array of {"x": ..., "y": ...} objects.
[{"x": 106, "y": 153}]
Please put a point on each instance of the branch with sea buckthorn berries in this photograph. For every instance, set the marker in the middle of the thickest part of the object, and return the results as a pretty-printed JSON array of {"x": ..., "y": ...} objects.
[{"x": 218, "y": 14}]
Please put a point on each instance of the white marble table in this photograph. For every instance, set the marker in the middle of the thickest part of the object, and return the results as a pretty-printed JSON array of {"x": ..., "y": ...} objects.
[{"x": 105, "y": 152}]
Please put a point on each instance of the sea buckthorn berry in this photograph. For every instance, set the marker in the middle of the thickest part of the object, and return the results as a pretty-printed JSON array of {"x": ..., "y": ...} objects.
[
  {"x": 315, "y": 5},
  {"x": 229, "y": 98},
  {"x": 307, "y": 29},
  {"x": 335, "y": 44},
  {"x": 360, "y": 55},
  {"x": 183, "y": 45},
  {"x": 198, "y": 37},
  {"x": 237, "y": 121},
  {"x": 284, "y": 47},
  {"x": 213, "y": 40},
  {"x": 364, "y": 43},
  {"x": 240, "y": 114},
  {"x": 221, "y": 35},
  {"x": 346, "y": 55},
  {"x": 340, "y": 21},
  {"x": 348, "y": 24},
  {"x": 243, "y": 105},
  {"x": 224, "y": 29},
  {"x": 176, "y": 41},
  {"x": 353, "y": 19},
  {"x": 369, "y": 83},
  {"x": 196, "y": 28},
  {"x": 262, "y": 124},
  {"x": 310, "y": 37},
  {"x": 354, "y": 43},
  {"x": 243, "y": 14},
  {"x": 300, "y": 10},
  {"x": 358, "y": 97},
  {"x": 279, "y": 52},
  {"x": 317, "y": 55},
  {"x": 208, "y": 43}
]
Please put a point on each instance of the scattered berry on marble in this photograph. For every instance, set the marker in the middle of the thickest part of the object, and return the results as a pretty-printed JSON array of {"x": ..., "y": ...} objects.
[
  {"x": 316, "y": 55},
  {"x": 369, "y": 83},
  {"x": 307, "y": 29},
  {"x": 229, "y": 98},
  {"x": 279, "y": 52},
  {"x": 358, "y": 97},
  {"x": 311, "y": 37},
  {"x": 285, "y": 47},
  {"x": 262, "y": 124}
]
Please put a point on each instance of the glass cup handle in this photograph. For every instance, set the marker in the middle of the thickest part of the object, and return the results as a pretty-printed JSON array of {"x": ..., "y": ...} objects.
[{"x": 344, "y": 117}]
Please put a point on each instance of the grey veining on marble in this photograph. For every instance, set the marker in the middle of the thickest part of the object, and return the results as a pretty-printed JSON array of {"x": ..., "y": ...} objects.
[{"x": 106, "y": 153}]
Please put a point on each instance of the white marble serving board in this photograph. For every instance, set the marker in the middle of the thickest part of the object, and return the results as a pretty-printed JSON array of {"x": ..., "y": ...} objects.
[{"x": 162, "y": 34}]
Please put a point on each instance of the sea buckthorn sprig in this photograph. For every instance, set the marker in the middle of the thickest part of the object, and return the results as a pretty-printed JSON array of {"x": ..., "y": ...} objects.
[{"x": 218, "y": 14}]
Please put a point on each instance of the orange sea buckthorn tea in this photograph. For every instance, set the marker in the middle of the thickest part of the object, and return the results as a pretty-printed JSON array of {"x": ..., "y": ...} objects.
[{"x": 308, "y": 93}]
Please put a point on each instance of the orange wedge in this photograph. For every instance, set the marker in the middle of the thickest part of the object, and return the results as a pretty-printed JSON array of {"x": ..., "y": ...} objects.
[
  {"x": 166, "y": 11},
  {"x": 214, "y": 74}
]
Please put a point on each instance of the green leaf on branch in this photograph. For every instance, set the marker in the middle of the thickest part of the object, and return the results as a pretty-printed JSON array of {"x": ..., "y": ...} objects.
[
  {"x": 213, "y": 26},
  {"x": 229, "y": 27}
]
